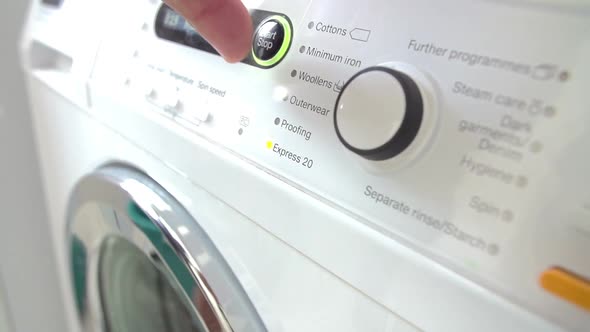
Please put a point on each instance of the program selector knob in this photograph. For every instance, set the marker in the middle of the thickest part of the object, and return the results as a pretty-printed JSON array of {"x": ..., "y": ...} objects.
[{"x": 385, "y": 112}]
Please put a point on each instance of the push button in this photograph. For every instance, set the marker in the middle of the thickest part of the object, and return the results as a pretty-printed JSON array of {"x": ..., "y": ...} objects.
[
  {"x": 568, "y": 286},
  {"x": 272, "y": 40},
  {"x": 195, "y": 107}
]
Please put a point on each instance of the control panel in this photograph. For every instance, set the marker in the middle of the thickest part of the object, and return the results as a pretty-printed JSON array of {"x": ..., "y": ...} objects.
[{"x": 459, "y": 128}]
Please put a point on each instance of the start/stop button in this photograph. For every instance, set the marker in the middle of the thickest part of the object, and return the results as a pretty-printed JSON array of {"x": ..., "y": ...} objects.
[{"x": 272, "y": 40}]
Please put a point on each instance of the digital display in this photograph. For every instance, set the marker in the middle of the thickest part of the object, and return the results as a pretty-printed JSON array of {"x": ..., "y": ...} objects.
[
  {"x": 171, "y": 19},
  {"x": 173, "y": 27}
]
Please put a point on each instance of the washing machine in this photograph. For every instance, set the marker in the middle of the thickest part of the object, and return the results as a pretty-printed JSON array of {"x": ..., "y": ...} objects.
[{"x": 369, "y": 166}]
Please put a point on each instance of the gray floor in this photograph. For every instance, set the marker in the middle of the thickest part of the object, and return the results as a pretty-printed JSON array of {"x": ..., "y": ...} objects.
[{"x": 5, "y": 323}]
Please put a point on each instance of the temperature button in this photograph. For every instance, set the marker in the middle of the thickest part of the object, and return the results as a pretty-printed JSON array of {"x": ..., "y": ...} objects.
[{"x": 168, "y": 98}]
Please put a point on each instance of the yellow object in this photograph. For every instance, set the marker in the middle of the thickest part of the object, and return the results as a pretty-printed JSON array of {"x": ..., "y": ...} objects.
[
  {"x": 568, "y": 286},
  {"x": 269, "y": 145}
]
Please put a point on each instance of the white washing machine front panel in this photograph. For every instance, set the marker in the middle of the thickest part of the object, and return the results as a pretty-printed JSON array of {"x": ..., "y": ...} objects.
[
  {"x": 464, "y": 224},
  {"x": 282, "y": 283}
]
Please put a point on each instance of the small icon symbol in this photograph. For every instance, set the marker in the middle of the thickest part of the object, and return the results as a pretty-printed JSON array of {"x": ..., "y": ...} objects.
[
  {"x": 172, "y": 20},
  {"x": 244, "y": 121},
  {"x": 564, "y": 76},
  {"x": 522, "y": 181},
  {"x": 535, "y": 107},
  {"x": 544, "y": 72},
  {"x": 338, "y": 86},
  {"x": 549, "y": 111},
  {"x": 493, "y": 249},
  {"x": 360, "y": 34},
  {"x": 507, "y": 215}
]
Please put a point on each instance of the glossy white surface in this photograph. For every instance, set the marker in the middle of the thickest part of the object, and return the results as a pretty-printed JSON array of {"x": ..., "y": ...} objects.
[
  {"x": 291, "y": 291},
  {"x": 401, "y": 262},
  {"x": 370, "y": 110},
  {"x": 493, "y": 160}
]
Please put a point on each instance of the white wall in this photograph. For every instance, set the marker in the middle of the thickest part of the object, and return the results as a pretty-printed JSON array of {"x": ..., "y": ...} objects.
[{"x": 27, "y": 270}]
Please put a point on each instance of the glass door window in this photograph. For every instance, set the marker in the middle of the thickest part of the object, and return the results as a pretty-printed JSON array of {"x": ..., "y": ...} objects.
[{"x": 141, "y": 262}]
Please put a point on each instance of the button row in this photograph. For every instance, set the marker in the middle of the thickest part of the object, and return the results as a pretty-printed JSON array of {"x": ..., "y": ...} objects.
[{"x": 190, "y": 105}]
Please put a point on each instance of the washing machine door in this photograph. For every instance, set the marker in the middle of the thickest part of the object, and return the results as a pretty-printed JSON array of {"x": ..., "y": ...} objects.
[{"x": 141, "y": 262}]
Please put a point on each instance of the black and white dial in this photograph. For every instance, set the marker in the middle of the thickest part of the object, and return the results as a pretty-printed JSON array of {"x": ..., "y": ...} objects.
[{"x": 380, "y": 112}]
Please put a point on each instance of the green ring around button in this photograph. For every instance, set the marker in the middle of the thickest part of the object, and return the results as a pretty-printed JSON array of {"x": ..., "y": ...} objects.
[{"x": 284, "y": 47}]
